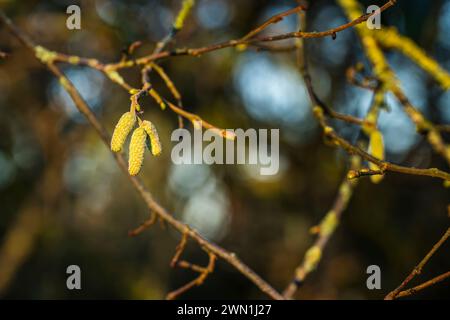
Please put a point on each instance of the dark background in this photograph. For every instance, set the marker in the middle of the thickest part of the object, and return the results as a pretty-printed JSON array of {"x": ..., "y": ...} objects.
[{"x": 64, "y": 201}]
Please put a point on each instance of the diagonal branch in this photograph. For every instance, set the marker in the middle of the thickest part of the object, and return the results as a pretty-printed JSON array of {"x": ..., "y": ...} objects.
[
  {"x": 418, "y": 269},
  {"x": 424, "y": 285},
  {"x": 324, "y": 230},
  {"x": 146, "y": 196}
]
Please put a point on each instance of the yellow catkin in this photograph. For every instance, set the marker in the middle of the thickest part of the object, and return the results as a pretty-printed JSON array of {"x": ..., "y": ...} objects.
[
  {"x": 328, "y": 224},
  {"x": 345, "y": 192},
  {"x": 155, "y": 144},
  {"x": 155, "y": 95},
  {"x": 390, "y": 38},
  {"x": 376, "y": 149},
  {"x": 122, "y": 130},
  {"x": 181, "y": 17},
  {"x": 137, "y": 149},
  {"x": 312, "y": 258},
  {"x": 170, "y": 85},
  {"x": 371, "y": 119},
  {"x": 381, "y": 69}
]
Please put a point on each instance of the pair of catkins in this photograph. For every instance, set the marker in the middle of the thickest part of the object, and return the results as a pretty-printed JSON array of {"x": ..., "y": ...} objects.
[{"x": 145, "y": 134}]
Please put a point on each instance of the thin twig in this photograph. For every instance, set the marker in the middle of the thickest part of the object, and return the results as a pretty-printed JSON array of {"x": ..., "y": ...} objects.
[
  {"x": 424, "y": 285},
  {"x": 418, "y": 269},
  {"x": 443, "y": 127},
  {"x": 210, "y": 48},
  {"x": 203, "y": 273},
  {"x": 179, "y": 250},
  {"x": 272, "y": 20},
  {"x": 144, "y": 226},
  {"x": 354, "y": 174},
  {"x": 234, "y": 43}
]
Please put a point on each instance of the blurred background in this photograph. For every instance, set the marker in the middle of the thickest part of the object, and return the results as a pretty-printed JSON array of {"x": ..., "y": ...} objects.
[{"x": 64, "y": 201}]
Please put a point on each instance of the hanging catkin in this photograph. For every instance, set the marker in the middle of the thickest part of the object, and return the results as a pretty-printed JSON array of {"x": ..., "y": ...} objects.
[
  {"x": 155, "y": 144},
  {"x": 376, "y": 149},
  {"x": 137, "y": 148},
  {"x": 122, "y": 130}
]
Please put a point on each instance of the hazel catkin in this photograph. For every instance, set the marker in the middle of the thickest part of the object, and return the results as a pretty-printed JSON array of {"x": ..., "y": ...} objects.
[
  {"x": 122, "y": 130},
  {"x": 136, "y": 153},
  {"x": 376, "y": 149},
  {"x": 155, "y": 144}
]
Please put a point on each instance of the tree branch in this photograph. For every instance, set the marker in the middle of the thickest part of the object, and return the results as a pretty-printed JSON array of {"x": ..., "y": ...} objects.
[
  {"x": 424, "y": 285},
  {"x": 418, "y": 269},
  {"x": 151, "y": 203}
]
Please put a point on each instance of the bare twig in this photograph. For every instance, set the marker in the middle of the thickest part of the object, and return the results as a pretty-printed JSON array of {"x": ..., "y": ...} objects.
[
  {"x": 157, "y": 54},
  {"x": 418, "y": 269},
  {"x": 443, "y": 127},
  {"x": 272, "y": 20},
  {"x": 179, "y": 250},
  {"x": 365, "y": 82},
  {"x": 424, "y": 285},
  {"x": 203, "y": 273},
  {"x": 239, "y": 42},
  {"x": 353, "y": 174},
  {"x": 144, "y": 226}
]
